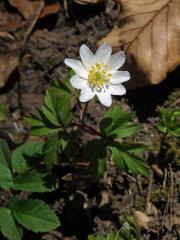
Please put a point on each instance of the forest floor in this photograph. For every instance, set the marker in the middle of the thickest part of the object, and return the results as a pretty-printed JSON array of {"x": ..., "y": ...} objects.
[{"x": 86, "y": 208}]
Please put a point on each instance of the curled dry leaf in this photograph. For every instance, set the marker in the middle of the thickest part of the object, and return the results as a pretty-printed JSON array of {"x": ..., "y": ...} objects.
[
  {"x": 87, "y": 2},
  {"x": 9, "y": 57},
  {"x": 142, "y": 220},
  {"x": 149, "y": 33}
]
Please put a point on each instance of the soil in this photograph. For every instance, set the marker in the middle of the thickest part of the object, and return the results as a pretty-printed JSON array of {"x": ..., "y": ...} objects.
[{"x": 85, "y": 207}]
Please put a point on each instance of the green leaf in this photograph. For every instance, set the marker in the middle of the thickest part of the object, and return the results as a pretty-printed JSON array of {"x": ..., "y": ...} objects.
[
  {"x": 169, "y": 122},
  {"x": 5, "y": 166},
  {"x": 51, "y": 150},
  {"x": 19, "y": 156},
  {"x": 34, "y": 181},
  {"x": 3, "y": 112},
  {"x": 118, "y": 123},
  {"x": 8, "y": 225},
  {"x": 132, "y": 147},
  {"x": 68, "y": 146},
  {"x": 126, "y": 160},
  {"x": 54, "y": 114},
  {"x": 95, "y": 153},
  {"x": 34, "y": 215},
  {"x": 65, "y": 85}
]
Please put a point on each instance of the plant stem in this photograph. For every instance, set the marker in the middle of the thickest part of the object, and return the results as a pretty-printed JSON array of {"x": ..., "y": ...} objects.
[
  {"x": 88, "y": 129},
  {"x": 83, "y": 112}
]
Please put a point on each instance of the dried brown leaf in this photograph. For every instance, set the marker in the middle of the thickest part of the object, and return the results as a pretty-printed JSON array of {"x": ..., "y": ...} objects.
[
  {"x": 9, "y": 22},
  {"x": 50, "y": 9},
  {"x": 26, "y": 8},
  {"x": 9, "y": 56},
  {"x": 149, "y": 33}
]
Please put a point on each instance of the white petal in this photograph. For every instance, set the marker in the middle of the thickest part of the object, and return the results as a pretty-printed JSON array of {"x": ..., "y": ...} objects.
[
  {"x": 86, "y": 94},
  {"x": 105, "y": 98},
  {"x": 87, "y": 57},
  {"x": 116, "y": 60},
  {"x": 77, "y": 67},
  {"x": 103, "y": 53},
  {"x": 119, "y": 77},
  {"x": 78, "y": 82},
  {"x": 117, "y": 89}
]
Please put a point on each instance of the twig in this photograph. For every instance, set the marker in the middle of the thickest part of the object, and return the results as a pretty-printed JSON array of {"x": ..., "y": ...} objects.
[
  {"x": 171, "y": 196},
  {"x": 149, "y": 192},
  {"x": 165, "y": 178}
]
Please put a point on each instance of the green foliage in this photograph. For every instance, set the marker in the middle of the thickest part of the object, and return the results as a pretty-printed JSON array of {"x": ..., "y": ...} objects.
[
  {"x": 54, "y": 115},
  {"x": 34, "y": 215},
  {"x": 96, "y": 154},
  {"x": 19, "y": 161},
  {"x": 20, "y": 173},
  {"x": 125, "y": 158},
  {"x": 6, "y": 178},
  {"x": 128, "y": 231},
  {"x": 3, "y": 112},
  {"x": 9, "y": 226},
  {"x": 34, "y": 181},
  {"x": 169, "y": 122},
  {"x": 117, "y": 123}
]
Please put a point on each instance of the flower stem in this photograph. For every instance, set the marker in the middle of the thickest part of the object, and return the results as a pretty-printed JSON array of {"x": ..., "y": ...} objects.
[{"x": 83, "y": 112}]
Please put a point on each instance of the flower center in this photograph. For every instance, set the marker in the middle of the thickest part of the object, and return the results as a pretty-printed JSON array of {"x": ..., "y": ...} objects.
[{"x": 98, "y": 76}]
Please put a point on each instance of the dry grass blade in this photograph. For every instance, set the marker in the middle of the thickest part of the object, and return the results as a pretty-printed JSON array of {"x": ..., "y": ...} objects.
[{"x": 149, "y": 33}]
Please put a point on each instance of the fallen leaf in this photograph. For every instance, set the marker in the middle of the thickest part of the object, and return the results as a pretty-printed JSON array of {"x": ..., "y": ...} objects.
[
  {"x": 9, "y": 56},
  {"x": 142, "y": 220},
  {"x": 9, "y": 22},
  {"x": 9, "y": 46},
  {"x": 26, "y": 8},
  {"x": 50, "y": 9},
  {"x": 149, "y": 33}
]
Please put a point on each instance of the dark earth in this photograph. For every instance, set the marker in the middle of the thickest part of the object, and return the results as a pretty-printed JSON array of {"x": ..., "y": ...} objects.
[{"x": 85, "y": 207}]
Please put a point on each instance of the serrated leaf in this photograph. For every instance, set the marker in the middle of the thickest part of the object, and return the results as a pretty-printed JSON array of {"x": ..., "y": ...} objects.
[
  {"x": 54, "y": 114},
  {"x": 127, "y": 161},
  {"x": 151, "y": 55},
  {"x": 34, "y": 215},
  {"x": 5, "y": 166},
  {"x": 118, "y": 123},
  {"x": 34, "y": 181},
  {"x": 95, "y": 153},
  {"x": 51, "y": 150},
  {"x": 20, "y": 154},
  {"x": 8, "y": 225}
]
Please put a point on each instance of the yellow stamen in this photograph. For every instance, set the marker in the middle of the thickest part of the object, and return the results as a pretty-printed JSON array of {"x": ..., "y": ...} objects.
[{"x": 98, "y": 76}]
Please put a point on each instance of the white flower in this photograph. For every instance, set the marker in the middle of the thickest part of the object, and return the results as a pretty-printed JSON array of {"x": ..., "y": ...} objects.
[{"x": 97, "y": 74}]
